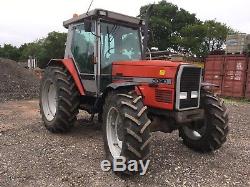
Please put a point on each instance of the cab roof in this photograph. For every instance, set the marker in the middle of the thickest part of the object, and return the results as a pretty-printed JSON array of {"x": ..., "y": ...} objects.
[{"x": 106, "y": 15}]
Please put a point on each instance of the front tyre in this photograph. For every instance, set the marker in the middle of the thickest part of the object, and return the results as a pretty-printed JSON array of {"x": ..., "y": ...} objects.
[
  {"x": 59, "y": 99},
  {"x": 126, "y": 127},
  {"x": 209, "y": 134}
]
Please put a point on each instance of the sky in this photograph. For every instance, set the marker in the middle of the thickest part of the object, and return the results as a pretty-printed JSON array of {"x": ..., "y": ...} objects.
[{"x": 23, "y": 21}]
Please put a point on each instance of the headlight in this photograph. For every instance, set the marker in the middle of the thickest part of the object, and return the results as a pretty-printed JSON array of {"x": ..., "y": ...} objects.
[
  {"x": 183, "y": 95},
  {"x": 194, "y": 94}
]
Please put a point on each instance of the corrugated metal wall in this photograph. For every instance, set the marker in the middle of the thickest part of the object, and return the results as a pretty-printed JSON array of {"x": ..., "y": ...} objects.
[
  {"x": 214, "y": 71},
  {"x": 247, "y": 93},
  {"x": 234, "y": 81},
  {"x": 231, "y": 73}
]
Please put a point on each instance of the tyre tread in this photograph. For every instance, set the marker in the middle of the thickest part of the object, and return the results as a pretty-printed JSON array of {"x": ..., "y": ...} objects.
[
  {"x": 68, "y": 99},
  {"x": 218, "y": 129}
]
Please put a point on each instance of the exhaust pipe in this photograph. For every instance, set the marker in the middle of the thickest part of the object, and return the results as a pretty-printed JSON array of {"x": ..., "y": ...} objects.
[{"x": 146, "y": 27}]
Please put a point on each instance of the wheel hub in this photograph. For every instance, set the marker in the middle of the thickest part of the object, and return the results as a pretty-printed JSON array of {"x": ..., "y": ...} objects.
[
  {"x": 114, "y": 132},
  {"x": 196, "y": 130},
  {"x": 49, "y": 100}
]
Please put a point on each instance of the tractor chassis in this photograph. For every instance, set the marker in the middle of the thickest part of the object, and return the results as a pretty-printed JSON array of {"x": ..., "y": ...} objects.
[{"x": 167, "y": 121}]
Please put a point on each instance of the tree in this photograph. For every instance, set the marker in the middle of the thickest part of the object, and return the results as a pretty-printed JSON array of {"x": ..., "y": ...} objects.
[
  {"x": 192, "y": 40},
  {"x": 30, "y": 49},
  {"x": 166, "y": 22},
  {"x": 216, "y": 34},
  {"x": 175, "y": 28},
  {"x": 202, "y": 38},
  {"x": 1, "y": 51},
  {"x": 10, "y": 52},
  {"x": 53, "y": 46}
]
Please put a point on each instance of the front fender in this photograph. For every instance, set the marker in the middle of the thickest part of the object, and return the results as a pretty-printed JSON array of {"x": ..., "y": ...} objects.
[
  {"x": 117, "y": 85},
  {"x": 208, "y": 86},
  {"x": 70, "y": 66}
]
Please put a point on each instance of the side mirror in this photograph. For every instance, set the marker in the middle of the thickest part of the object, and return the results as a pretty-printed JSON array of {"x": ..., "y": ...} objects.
[{"x": 87, "y": 25}]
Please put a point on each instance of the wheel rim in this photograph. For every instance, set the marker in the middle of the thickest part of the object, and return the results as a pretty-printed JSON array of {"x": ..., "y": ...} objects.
[
  {"x": 49, "y": 101},
  {"x": 113, "y": 129},
  {"x": 196, "y": 130}
]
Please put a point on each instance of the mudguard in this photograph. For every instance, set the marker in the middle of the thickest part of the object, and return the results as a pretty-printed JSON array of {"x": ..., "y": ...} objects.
[
  {"x": 70, "y": 66},
  {"x": 121, "y": 84},
  {"x": 208, "y": 86},
  {"x": 117, "y": 85}
]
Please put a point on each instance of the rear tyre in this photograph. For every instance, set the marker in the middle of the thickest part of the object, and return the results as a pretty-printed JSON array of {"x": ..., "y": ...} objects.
[
  {"x": 59, "y": 99},
  {"x": 126, "y": 127},
  {"x": 209, "y": 134}
]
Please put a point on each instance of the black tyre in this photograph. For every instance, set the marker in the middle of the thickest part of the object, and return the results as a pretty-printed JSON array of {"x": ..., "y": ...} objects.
[
  {"x": 59, "y": 99},
  {"x": 126, "y": 127},
  {"x": 209, "y": 134}
]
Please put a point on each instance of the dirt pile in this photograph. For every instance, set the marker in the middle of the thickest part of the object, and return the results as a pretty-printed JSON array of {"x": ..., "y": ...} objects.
[{"x": 16, "y": 82}]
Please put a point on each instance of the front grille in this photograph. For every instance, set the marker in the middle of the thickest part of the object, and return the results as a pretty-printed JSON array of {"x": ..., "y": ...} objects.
[
  {"x": 189, "y": 81},
  {"x": 164, "y": 96}
]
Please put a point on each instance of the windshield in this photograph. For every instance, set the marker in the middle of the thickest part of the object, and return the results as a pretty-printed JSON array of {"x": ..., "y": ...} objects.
[{"x": 118, "y": 43}]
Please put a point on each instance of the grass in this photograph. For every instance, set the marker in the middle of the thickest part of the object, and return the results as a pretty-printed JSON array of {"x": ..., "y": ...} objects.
[{"x": 232, "y": 100}]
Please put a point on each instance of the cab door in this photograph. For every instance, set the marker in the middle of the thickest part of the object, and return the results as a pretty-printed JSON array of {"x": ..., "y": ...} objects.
[{"x": 83, "y": 50}]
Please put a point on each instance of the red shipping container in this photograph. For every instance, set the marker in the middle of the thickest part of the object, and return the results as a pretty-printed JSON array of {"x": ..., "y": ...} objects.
[
  {"x": 214, "y": 63},
  {"x": 234, "y": 81},
  {"x": 214, "y": 71},
  {"x": 247, "y": 93},
  {"x": 214, "y": 79}
]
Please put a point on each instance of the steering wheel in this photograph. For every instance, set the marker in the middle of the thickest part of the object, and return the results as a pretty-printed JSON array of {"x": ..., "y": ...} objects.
[{"x": 108, "y": 51}]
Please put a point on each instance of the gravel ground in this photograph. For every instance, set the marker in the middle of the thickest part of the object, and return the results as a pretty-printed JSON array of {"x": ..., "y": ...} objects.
[
  {"x": 31, "y": 156},
  {"x": 17, "y": 82}
]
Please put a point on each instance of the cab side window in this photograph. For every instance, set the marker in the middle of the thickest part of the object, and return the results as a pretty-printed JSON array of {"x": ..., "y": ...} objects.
[{"x": 83, "y": 48}]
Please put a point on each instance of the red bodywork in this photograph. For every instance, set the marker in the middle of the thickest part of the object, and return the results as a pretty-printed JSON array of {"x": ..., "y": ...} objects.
[
  {"x": 158, "y": 95},
  {"x": 154, "y": 95}
]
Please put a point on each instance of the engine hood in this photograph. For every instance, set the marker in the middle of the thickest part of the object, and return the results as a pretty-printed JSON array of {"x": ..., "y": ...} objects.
[
  {"x": 161, "y": 63},
  {"x": 145, "y": 69}
]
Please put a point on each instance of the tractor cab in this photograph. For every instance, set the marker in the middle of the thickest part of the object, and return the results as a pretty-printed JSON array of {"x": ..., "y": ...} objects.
[{"x": 99, "y": 38}]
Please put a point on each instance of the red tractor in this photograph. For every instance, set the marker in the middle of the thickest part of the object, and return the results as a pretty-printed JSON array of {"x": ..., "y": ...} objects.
[{"x": 104, "y": 72}]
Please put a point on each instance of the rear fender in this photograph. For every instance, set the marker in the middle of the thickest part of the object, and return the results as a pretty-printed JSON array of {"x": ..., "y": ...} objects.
[{"x": 70, "y": 66}]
